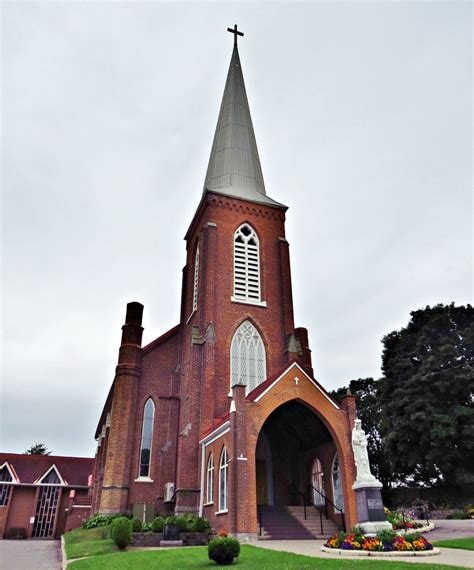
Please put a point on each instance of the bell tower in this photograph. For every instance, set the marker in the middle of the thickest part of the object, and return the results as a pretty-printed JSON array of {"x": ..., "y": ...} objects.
[{"x": 236, "y": 283}]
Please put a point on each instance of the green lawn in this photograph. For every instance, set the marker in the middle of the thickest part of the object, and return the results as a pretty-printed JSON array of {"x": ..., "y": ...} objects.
[
  {"x": 249, "y": 559},
  {"x": 464, "y": 543},
  {"x": 82, "y": 542}
]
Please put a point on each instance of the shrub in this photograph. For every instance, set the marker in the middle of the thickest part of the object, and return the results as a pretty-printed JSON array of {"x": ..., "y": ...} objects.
[
  {"x": 147, "y": 527},
  {"x": 158, "y": 524},
  {"x": 458, "y": 515},
  {"x": 98, "y": 520},
  {"x": 137, "y": 525},
  {"x": 200, "y": 525},
  {"x": 176, "y": 520},
  {"x": 121, "y": 532},
  {"x": 223, "y": 550}
]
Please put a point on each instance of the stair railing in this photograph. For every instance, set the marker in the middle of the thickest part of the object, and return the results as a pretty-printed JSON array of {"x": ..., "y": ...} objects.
[
  {"x": 307, "y": 501},
  {"x": 259, "y": 514},
  {"x": 326, "y": 502}
]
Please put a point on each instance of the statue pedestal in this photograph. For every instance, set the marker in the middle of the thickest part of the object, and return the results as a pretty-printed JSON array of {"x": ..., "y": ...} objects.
[{"x": 370, "y": 511}]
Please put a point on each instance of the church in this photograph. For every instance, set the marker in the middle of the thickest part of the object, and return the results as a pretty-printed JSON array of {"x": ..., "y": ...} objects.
[{"x": 222, "y": 415}]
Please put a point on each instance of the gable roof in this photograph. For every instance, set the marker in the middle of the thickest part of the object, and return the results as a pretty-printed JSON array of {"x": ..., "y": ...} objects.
[
  {"x": 264, "y": 387},
  {"x": 29, "y": 469}
]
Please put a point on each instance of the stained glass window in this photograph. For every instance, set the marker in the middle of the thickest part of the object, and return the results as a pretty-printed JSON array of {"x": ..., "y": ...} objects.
[
  {"x": 223, "y": 467},
  {"x": 247, "y": 357},
  {"x": 147, "y": 435}
]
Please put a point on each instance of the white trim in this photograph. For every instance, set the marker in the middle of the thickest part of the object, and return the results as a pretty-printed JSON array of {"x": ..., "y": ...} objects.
[
  {"x": 295, "y": 364},
  {"x": 208, "y": 504},
  {"x": 81, "y": 506},
  {"x": 191, "y": 316},
  {"x": 149, "y": 399},
  {"x": 62, "y": 481},
  {"x": 242, "y": 459},
  {"x": 248, "y": 302},
  {"x": 224, "y": 512},
  {"x": 12, "y": 474},
  {"x": 224, "y": 428},
  {"x": 143, "y": 480}
]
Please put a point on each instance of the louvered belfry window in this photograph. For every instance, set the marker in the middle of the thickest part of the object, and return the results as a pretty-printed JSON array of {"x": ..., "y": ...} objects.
[
  {"x": 246, "y": 265},
  {"x": 196, "y": 279},
  {"x": 247, "y": 357}
]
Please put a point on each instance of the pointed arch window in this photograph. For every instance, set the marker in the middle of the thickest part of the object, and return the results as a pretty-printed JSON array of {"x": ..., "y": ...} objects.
[
  {"x": 337, "y": 483},
  {"x": 6, "y": 481},
  {"x": 247, "y": 357},
  {"x": 147, "y": 436},
  {"x": 210, "y": 480},
  {"x": 196, "y": 279},
  {"x": 246, "y": 265},
  {"x": 317, "y": 482},
  {"x": 223, "y": 472}
]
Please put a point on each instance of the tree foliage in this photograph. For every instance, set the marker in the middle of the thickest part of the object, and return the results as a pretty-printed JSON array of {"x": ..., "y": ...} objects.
[
  {"x": 369, "y": 411},
  {"x": 38, "y": 449},
  {"x": 426, "y": 396}
]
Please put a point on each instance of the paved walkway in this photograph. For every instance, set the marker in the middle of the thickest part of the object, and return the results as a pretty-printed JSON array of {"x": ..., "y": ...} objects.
[
  {"x": 30, "y": 555},
  {"x": 448, "y": 529}
]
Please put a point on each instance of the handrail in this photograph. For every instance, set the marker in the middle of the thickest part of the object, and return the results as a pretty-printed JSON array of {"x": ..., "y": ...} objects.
[
  {"x": 305, "y": 498},
  {"x": 326, "y": 501},
  {"x": 259, "y": 514}
]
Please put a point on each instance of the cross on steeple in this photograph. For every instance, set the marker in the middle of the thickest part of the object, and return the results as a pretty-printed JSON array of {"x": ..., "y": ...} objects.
[{"x": 235, "y": 32}]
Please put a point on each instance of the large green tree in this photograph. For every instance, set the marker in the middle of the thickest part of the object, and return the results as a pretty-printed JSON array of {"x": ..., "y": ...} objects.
[
  {"x": 427, "y": 396},
  {"x": 369, "y": 411}
]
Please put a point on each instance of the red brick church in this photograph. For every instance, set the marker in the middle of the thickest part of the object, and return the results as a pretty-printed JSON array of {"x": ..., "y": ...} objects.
[{"x": 222, "y": 415}]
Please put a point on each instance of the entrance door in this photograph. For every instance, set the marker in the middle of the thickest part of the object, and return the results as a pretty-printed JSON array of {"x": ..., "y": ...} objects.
[
  {"x": 262, "y": 482},
  {"x": 46, "y": 510}
]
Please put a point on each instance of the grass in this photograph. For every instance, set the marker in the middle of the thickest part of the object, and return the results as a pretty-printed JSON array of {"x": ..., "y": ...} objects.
[
  {"x": 464, "y": 543},
  {"x": 250, "y": 558},
  {"x": 82, "y": 542}
]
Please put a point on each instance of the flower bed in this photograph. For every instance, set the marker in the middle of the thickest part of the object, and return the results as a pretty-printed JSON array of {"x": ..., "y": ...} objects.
[{"x": 384, "y": 543}]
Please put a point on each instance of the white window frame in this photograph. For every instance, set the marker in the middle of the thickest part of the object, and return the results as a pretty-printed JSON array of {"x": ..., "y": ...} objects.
[
  {"x": 196, "y": 279},
  {"x": 210, "y": 480},
  {"x": 247, "y": 357},
  {"x": 247, "y": 278},
  {"x": 146, "y": 478},
  {"x": 223, "y": 480}
]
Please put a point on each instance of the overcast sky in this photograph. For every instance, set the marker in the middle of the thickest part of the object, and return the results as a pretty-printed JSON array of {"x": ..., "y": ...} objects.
[{"x": 362, "y": 113}]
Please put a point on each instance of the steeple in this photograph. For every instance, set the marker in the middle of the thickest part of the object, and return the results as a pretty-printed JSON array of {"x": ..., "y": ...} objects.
[{"x": 234, "y": 165}]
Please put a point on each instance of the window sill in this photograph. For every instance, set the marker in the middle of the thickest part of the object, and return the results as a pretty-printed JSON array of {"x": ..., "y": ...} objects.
[
  {"x": 208, "y": 504},
  {"x": 224, "y": 512},
  {"x": 248, "y": 302},
  {"x": 143, "y": 480}
]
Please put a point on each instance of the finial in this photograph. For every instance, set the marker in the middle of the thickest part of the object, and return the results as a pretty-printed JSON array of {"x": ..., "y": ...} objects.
[{"x": 235, "y": 32}]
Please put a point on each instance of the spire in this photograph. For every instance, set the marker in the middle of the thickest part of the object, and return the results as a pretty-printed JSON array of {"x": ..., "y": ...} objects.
[{"x": 234, "y": 166}]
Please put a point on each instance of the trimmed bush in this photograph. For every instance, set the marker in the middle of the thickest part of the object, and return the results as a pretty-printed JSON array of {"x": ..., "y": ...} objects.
[
  {"x": 137, "y": 525},
  {"x": 121, "y": 532},
  {"x": 200, "y": 525},
  {"x": 223, "y": 550},
  {"x": 158, "y": 524},
  {"x": 177, "y": 520}
]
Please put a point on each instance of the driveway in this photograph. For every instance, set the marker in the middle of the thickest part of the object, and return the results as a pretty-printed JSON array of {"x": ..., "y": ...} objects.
[{"x": 30, "y": 555}]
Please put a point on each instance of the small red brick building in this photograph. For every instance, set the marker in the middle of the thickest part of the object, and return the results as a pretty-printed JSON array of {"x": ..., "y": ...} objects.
[
  {"x": 42, "y": 496},
  {"x": 222, "y": 415}
]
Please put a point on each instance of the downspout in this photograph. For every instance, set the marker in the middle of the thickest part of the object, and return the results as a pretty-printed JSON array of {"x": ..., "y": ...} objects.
[{"x": 201, "y": 498}]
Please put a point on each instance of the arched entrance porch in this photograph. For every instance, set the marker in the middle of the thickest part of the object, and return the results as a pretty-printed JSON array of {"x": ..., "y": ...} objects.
[{"x": 295, "y": 476}]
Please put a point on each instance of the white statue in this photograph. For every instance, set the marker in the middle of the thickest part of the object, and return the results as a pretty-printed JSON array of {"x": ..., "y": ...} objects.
[{"x": 361, "y": 457}]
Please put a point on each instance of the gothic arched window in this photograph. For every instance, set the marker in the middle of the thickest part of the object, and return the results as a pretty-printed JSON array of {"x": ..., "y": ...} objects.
[
  {"x": 246, "y": 265},
  {"x": 317, "y": 482},
  {"x": 223, "y": 468},
  {"x": 247, "y": 357},
  {"x": 5, "y": 485},
  {"x": 147, "y": 435},
  {"x": 196, "y": 279},
  {"x": 210, "y": 479},
  {"x": 337, "y": 483}
]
